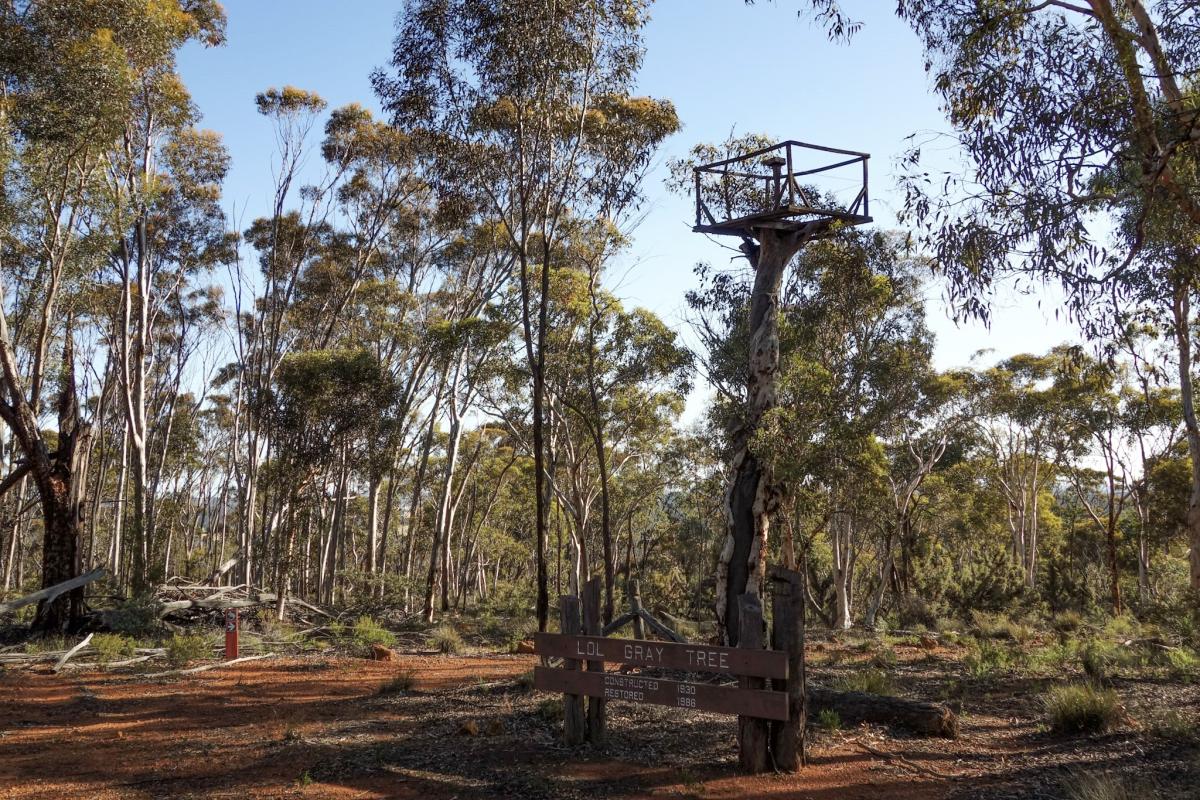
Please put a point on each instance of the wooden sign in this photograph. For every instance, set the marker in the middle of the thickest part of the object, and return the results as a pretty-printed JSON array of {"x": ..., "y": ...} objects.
[
  {"x": 692, "y": 657},
  {"x": 660, "y": 691},
  {"x": 231, "y": 634}
]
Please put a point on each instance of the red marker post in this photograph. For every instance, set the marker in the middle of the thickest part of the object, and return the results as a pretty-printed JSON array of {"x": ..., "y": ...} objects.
[{"x": 231, "y": 634}]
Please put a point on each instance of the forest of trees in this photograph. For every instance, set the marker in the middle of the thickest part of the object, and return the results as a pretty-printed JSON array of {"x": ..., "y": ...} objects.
[{"x": 411, "y": 385}]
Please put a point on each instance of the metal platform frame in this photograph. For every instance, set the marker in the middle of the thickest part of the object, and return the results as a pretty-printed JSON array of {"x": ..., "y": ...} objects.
[{"x": 786, "y": 204}]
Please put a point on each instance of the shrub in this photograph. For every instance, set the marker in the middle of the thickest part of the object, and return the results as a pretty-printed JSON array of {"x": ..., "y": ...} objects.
[
  {"x": 997, "y": 626},
  {"x": 525, "y": 681},
  {"x": 401, "y": 684},
  {"x": 1089, "y": 786},
  {"x": 1096, "y": 657},
  {"x": 1067, "y": 621},
  {"x": 885, "y": 658},
  {"x": 112, "y": 647},
  {"x": 45, "y": 644},
  {"x": 1081, "y": 708},
  {"x": 1173, "y": 725},
  {"x": 445, "y": 639},
  {"x": 871, "y": 681},
  {"x": 550, "y": 709},
  {"x": 1051, "y": 658},
  {"x": 367, "y": 632},
  {"x": 182, "y": 650},
  {"x": 1122, "y": 627},
  {"x": 1183, "y": 664},
  {"x": 985, "y": 659},
  {"x": 137, "y": 618},
  {"x": 829, "y": 720}
]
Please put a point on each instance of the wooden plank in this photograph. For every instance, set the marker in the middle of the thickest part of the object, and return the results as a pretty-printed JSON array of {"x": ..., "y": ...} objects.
[
  {"x": 618, "y": 623},
  {"x": 694, "y": 657},
  {"x": 659, "y": 628},
  {"x": 635, "y": 608},
  {"x": 663, "y": 692}
]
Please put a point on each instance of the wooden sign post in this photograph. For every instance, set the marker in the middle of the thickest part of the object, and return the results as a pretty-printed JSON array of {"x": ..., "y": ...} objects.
[
  {"x": 756, "y": 707},
  {"x": 231, "y": 634}
]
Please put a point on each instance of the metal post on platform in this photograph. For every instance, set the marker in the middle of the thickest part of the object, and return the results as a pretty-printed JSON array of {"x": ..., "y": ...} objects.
[{"x": 231, "y": 634}]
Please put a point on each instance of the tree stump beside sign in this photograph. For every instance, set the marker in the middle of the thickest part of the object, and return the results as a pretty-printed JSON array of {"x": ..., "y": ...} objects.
[{"x": 755, "y": 706}]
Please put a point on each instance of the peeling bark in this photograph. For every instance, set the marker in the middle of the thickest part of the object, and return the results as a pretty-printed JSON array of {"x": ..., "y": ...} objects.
[{"x": 752, "y": 495}]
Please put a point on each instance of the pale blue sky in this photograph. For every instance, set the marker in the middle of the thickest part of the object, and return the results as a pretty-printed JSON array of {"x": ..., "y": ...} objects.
[{"x": 723, "y": 64}]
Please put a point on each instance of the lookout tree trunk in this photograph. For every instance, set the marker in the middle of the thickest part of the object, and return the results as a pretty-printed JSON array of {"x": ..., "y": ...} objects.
[{"x": 752, "y": 494}]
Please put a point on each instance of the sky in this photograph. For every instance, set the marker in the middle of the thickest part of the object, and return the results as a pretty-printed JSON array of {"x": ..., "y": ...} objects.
[{"x": 726, "y": 66}]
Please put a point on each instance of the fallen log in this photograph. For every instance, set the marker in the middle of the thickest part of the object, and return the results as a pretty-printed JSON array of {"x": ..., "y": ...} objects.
[
  {"x": 205, "y": 668},
  {"x": 50, "y": 593},
  {"x": 67, "y": 655},
  {"x": 928, "y": 719},
  {"x": 216, "y": 602},
  {"x": 295, "y": 601}
]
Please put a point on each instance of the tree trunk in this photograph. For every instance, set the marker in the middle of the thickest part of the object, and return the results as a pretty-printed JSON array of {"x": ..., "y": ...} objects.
[
  {"x": 1183, "y": 342},
  {"x": 752, "y": 494}
]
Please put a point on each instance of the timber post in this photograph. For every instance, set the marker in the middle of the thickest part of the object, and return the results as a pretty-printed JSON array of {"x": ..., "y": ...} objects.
[
  {"x": 592, "y": 627},
  {"x": 787, "y": 635},
  {"x": 635, "y": 607},
  {"x": 752, "y": 731},
  {"x": 574, "y": 727}
]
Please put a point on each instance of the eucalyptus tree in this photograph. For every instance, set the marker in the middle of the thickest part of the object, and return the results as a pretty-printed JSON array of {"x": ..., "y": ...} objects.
[
  {"x": 529, "y": 109},
  {"x": 1015, "y": 426},
  {"x": 319, "y": 401},
  {"x": 162, "y": 213},
  {"x": 855, "y": 353},
  {"x": 75, "y": 75},
  {"x": 1070, "y": 114}
]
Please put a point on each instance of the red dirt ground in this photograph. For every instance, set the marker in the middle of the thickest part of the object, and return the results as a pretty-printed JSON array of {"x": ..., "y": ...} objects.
[{"x": 264, "y": 729}]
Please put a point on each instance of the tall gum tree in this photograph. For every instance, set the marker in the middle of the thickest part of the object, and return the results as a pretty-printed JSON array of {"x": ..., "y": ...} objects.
[
  {"x": 1071, "y": 115},
  {"x": 71, "y": 78},
  {"x": 527, "y": 109}
]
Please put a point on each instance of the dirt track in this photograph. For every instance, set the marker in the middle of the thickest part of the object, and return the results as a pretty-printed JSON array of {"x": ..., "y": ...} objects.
[{"x": 320, "y": 728}]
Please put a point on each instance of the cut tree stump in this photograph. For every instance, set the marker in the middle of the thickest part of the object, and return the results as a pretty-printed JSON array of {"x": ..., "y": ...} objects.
[{"x": 928, "y": 719}]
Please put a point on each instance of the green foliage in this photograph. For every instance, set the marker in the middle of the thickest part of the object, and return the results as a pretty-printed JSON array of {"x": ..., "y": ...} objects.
[
  {"x": 1067, "y": 621},
  {"x": 551, "y": 709},
  {"x": 986, "y": 658},
  {"x": 1081, "y": 708},
  {"x": 186, "y": 648},
  {"x": 445, "y": 639},
  {"x": 136, "y": 617},
  {"x": 1183, "y": 664},
  {"x": 871, "y": 681},
  {"x": 525, "y": 681},
  {"x": 113, "y": 647},
  {"x": 363, "y": 634},
  {"x": 1174, "y": 724},
  {"x": 828, "y": 720},
  {"x": 1000, "y": 626},
  {"x": 884, "y": 658},
  {"x": 45, "y": 644}
]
